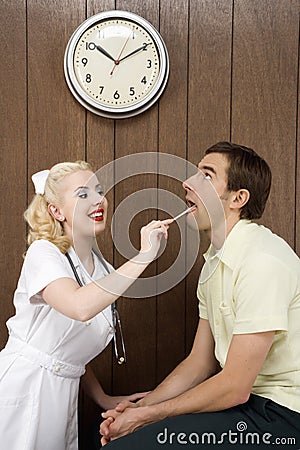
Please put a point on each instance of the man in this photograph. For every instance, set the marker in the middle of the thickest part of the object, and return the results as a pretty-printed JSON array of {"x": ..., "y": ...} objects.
[{"x": 241, "y": 380}]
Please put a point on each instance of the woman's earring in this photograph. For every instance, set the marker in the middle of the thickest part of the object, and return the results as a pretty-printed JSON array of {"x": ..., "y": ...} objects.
[{"x": 61, "y": 218}]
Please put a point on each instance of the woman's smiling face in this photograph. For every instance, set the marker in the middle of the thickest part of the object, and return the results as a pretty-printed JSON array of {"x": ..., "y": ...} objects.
[{"x": 83, "y": 204}]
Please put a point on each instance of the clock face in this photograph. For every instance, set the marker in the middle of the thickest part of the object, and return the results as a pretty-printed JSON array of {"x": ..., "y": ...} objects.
[{"x": 116, "y": 64}]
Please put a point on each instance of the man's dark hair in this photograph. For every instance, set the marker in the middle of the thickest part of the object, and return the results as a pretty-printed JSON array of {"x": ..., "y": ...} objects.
[{"x": 246, "y": 170}]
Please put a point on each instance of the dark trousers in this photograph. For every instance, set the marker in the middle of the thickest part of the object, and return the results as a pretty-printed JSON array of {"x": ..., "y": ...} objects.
[{"x": 259, "y": 423}]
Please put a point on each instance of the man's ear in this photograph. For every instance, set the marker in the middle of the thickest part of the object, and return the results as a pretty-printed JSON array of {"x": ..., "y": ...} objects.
[
  {"x": 239, "y": 198},
  {"x": 55, "y": 212}
]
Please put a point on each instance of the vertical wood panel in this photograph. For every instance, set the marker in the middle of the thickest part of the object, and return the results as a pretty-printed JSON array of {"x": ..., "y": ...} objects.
[
  {"x": 264, "y": 96},
  {"x": 134, "y": 135},
  {"x": 56, "y": 125},
  {"x": 208, "y": 103},
  {"x": 209, "y": 74},
  {"x": 172, "y": 139},
  {"x": 13, "y": 156}
]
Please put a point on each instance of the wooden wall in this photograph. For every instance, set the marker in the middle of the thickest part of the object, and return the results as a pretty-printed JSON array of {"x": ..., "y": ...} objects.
[{"x": 234, "y": 75}]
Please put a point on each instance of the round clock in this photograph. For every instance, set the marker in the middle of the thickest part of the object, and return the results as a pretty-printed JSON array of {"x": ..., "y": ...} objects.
[{"x": 116, "y": 64}]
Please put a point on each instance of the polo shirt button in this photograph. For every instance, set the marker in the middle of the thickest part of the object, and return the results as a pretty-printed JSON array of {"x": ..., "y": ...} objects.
[
  {"x": 217, "y": 322},
  {"x": 88, "y": 322},
  {"x": 57, "y": 369}
]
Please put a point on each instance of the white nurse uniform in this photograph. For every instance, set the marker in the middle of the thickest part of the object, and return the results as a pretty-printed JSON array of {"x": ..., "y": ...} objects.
[{"x": 45, "y": 355}]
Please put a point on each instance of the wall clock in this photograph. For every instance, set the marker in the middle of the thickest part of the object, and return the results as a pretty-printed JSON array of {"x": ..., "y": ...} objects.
[{"x": 116, "y": 64}]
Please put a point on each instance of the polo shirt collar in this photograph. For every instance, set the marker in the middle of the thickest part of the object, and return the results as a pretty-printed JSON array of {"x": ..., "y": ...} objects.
[{"x": 230, "y": 251}]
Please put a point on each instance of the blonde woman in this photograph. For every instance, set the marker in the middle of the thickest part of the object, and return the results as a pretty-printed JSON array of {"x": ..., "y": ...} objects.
[{"x": 63, "y": 319}]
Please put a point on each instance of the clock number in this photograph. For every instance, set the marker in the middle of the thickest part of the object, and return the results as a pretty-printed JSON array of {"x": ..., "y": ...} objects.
[
  {"x": 131, "y": 91},
  {"x": 145, "y": 46},
  {"x": 90, "y": 46},
  {"x": 101, "y": 89},
  {"x": 149, "y": 63},
  {"x": 116, "y": 95},
  {"x": 88, "y": 78},
  {"x": 143, "y": 80},
  {"x": 84, "y": 61}
]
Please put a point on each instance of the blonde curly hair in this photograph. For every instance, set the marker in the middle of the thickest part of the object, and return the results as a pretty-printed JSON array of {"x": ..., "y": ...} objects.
[{"x": 41, "y": 224}]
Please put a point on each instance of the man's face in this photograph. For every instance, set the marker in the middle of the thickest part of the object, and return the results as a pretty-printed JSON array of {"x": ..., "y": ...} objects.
[{"x": 207, "y": 192}]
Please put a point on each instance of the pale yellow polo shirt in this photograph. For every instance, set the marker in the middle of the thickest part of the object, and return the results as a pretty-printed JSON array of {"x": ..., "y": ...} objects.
[{"x": 253, "y": 285}]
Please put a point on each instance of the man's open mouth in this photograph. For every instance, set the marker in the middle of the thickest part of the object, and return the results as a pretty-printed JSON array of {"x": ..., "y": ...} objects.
[{"x": 191, "y": 204}]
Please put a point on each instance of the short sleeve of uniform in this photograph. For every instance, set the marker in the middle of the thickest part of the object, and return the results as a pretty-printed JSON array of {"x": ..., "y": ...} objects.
[
  {"x": 262, "y": 293},
  {"x": 43, "y": 264},
  {"x": 202, "y": 303}
]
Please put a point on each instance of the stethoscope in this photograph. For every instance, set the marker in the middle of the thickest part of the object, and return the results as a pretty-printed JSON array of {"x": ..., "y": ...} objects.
[{"x": 114, "y": 311}]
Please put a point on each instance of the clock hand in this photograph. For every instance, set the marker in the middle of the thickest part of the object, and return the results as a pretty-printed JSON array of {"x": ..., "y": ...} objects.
[
  {"x": 117, "y": 61},
  {"x": 143, "y": 47},
  {"x": 104, "y": 52}
]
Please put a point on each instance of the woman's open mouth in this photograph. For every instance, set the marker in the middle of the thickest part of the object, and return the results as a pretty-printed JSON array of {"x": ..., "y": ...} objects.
[{"x": 97, "y": 215}]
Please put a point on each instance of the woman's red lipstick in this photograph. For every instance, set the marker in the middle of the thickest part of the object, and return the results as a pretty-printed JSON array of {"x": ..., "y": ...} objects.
[{"x": 97, "y": 215}]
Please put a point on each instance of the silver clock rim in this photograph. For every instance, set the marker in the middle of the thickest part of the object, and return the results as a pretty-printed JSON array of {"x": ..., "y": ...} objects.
[{"x": 123, "y": 111}]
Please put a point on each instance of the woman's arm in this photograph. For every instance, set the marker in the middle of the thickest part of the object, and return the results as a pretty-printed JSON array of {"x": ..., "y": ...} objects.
[
  {"x": 83, "y": 303},
  {"x": 94, "y": 390}
]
